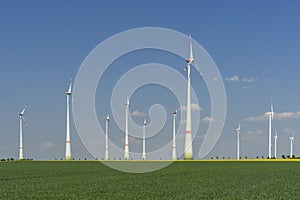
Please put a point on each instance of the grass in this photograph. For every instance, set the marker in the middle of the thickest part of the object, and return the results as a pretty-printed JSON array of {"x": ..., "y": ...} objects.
[{"x": 180, "y": 180}]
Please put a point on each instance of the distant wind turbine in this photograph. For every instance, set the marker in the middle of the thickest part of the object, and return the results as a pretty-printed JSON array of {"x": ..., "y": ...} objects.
[
  {"x": 271, "y": 117},
  {"x": 174, "y": 157},
  {"x": 238, "y": 142},
  {"x": 291, "y": 143},
  {"x": 68, "y": 137},
  {"x": 188, "y": 149},
  {"x": 126, "y": 154},
  {"x": 144, "y": 142},
  {"x": 21, "y": 157},
  {"x": 106, "y": 136},
  {"x": 275, "y": 144}
]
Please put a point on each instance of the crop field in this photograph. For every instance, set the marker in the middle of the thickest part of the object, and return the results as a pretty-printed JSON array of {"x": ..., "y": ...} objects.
[{"x": 180, "y": 180}]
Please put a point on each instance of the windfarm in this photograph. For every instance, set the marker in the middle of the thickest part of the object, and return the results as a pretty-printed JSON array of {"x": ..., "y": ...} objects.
[
  {"x": 149, "y": 100},
  {"x": 188, "y": 135}
]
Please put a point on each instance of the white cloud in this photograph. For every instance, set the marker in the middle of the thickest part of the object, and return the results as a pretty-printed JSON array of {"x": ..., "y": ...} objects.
[
  {"x": 256, "y": 118},
  {"x": 208, "y": 119},
  {"x": 255, "y": 132},
  {"x": 137, "y": 113},
  {"x": 287, "y": 115},
  {"x": 48, "y": 145},
  {"x": 251, "y": 135},
  {"x": 234, "y": 78},
  {"x": 248, "y": 87},
  {"x": 250, "y": 79},
  {"x": 277, "y": 116},
  {"x": 194, "y": 107}
]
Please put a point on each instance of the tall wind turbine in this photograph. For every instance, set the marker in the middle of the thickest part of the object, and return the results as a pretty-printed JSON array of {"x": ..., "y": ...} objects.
[
  {"x": 126, "y": 154},
  {"x": 68, "y": 138},
  {"x": 144, "y": 142},
  {"x": 271, "y": 117},
  {"x": 292, "y": 142},
  {"x": 174, "y": 157},
  {"x": 106, "y": 136},
  {"x": 21, "y": 133},
  {"x": 238, "y": 142},
  {"x": 188, "y": 149},
  {"x": 275, "y": 144}
]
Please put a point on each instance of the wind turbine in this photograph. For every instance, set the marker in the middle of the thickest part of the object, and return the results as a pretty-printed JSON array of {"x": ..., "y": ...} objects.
[
  {"x": 144, "y": 142},
  {"x": 188, "y": 149},
  {"x": 68, "y": 139},
  {"x": 174, "y": 157},
  {"x": 126, "y": 154},
  {"x": 238, "y": 141},
  {"x": 21, "y": 133},
  {"x": 275, "y": 144},
  {"x": 292, "y": 142},
  {"x": 271, "y": 117},
  {"x": 106, "y": 136}
]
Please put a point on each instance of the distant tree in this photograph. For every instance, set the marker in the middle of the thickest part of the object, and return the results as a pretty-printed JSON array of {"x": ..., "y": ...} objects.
[
  {"x": 283, "y": 156},
  {"x": 256, "y": 157},
  {"x": 217, "y": 157},
  {"x": 246, "y": 157},
  {"x": 262, "y": 157},
  {"x": 288, "y": 156},
  {"x": 212, "y": 158},
  {"x": 223, "y": 157},
  {"x": 293, "y": 157}
]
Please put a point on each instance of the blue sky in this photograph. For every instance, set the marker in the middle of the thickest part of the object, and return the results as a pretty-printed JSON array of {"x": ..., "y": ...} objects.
[{"x": 255, "y": 45}]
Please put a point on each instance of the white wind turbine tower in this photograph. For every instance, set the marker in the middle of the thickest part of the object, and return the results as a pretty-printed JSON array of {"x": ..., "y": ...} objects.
[
  {"x": 68, "y": 137},
  {"x": 291, "y": 142},
  {"x": 238, "y": 142},
  {"x": 188, "y": 149},
  {"x": 21, "y": 133},
  {"x": 106, "y": 136},
  {"x": 144, "y": 140},
  {"x": 271, "y": 117},
  {"x": 126, "y": 154},
  {"x": 174, "y": 157},
  {"x": 275, "y": 144}
]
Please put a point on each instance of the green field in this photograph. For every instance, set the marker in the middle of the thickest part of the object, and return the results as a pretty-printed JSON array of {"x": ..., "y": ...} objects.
[{"x": 181, "y": 180}]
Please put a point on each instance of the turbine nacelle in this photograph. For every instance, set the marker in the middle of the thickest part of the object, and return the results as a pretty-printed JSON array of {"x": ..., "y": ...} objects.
[
  {"x": 191, "y": 60},
  {"x": 145, "y": 122},
  {"x": 107, "y": 117},
  {"x": 175, "y": 113}
]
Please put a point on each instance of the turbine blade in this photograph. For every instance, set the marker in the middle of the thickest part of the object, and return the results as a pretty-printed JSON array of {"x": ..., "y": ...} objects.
[
  {"x": 127, "y": 101},
  {"x": 191, "y": 49},
  {"x": 197, "y": 68},
  {"x": 23, "y": 111},
  {"x": 70, "y": 87}
]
